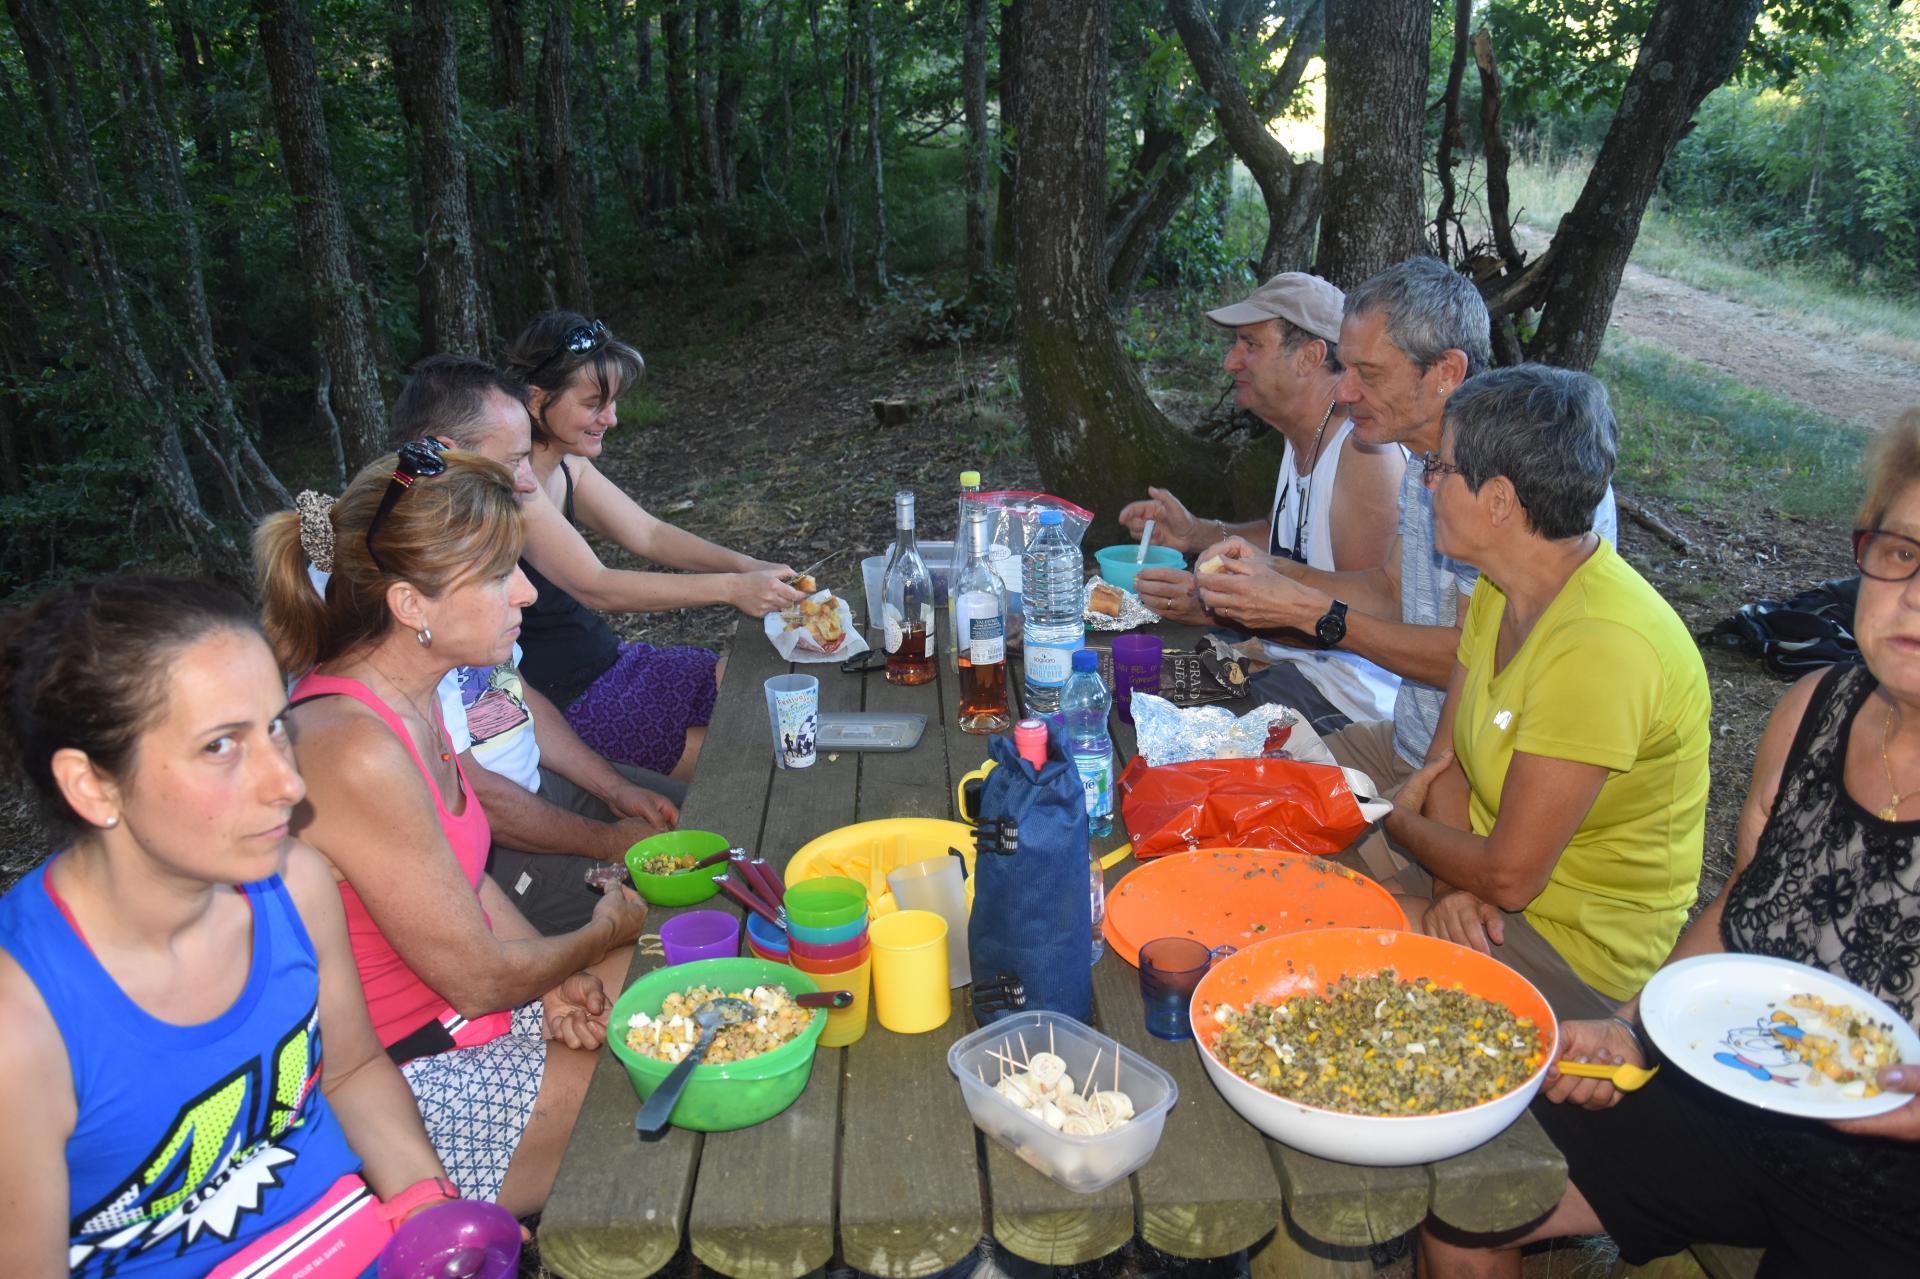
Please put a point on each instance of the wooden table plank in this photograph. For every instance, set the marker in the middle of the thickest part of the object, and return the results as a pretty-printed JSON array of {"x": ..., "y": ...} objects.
[
  {"x": 1348, "y": 1205},
  {"x": 763, "y": 1202},
  {"x": 1515, "y": 1178},
  {"x": 909, "y": 1182},
  {"x": 618, "y": 1204}
]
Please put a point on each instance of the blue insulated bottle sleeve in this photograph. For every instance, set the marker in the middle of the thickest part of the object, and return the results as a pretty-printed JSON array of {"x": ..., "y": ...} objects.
[{"x": 1031, "y": 919}]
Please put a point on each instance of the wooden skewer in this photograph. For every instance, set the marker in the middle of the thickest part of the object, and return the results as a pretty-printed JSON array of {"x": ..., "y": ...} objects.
[
  {"x": 1050, "y": 1047},
  {"x": 1116, "y": 1070},
  {"x": 1024, "y": 1055},
  {"x": 976, "y": 1070}
]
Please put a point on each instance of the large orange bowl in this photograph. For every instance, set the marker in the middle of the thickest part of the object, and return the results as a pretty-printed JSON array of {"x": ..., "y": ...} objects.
[{"x": 1307, "y": 963}]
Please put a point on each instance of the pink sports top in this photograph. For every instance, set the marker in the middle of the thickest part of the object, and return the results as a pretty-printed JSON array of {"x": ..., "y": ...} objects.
[{"x": 401, "y": 1004}]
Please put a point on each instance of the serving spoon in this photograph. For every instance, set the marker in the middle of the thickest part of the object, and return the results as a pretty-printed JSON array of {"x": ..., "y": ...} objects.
[
  {"x": 651, "y": 1119},
  {"x": 1627, "y": 1077}
]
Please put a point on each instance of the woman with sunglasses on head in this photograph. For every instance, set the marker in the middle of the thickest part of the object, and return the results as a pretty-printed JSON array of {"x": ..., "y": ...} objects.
[
  {"x": 632, "y": 702},
  {"x": 168, "y": 978},
  {"x": 495, "y": 1027},
  {"x": 1827, "y": 873}
]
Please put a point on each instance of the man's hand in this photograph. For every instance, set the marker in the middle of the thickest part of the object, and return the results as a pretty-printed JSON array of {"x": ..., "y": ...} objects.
[
  {"x": 1169, "y": 592},
  {"x": 1465, "y": 920},
  {"x": 763, "y": 591},
  {"x": 630, "y": 800},
  {"x": 1899, "y": 1125},
  {"x": 1606, "y": 1042},
  {"x": 1173, "y": 524},
  {"x": 1252, "y": 593},
  {"x": 626, "y": 909},
  {"x": 575, "y": 1012}
]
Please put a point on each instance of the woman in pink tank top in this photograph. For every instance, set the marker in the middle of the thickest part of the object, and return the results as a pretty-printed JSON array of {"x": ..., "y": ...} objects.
[{"x": 422, "y": 549}]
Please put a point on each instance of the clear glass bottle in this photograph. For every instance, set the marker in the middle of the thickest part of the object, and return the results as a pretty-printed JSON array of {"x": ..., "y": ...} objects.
[
  {"x": 980, "y": 636},
  {"x": 962, "y": 548},
  {"x": 907, "y": 609}
]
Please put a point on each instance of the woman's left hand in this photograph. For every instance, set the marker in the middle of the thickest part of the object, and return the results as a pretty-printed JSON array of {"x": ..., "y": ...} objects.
[
  {"x": 763, "y": 591},
  {"x": 1900, "y": 1125},
  {"x": 576, "y": 1012},
  {"x": 1465, "y": 920},
  {"x": 652, "y": 807}
]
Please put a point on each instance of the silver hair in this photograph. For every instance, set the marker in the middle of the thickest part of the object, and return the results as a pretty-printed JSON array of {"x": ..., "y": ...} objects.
[
  {"x": 1550, "y": 431},
  {"x": 1431, "y": 309}
]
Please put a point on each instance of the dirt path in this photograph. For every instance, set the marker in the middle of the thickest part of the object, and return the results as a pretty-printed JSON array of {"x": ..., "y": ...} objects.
[{"x": 1818, "y": 370}]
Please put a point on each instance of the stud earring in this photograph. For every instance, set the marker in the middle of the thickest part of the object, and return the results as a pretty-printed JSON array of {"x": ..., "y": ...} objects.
[
  {"x": 425, "y": 636},
  {"x": 110, "y": 823}
]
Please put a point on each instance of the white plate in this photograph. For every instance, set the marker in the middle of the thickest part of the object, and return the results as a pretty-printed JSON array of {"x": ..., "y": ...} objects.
[{"x": 1709, "y": 1015}]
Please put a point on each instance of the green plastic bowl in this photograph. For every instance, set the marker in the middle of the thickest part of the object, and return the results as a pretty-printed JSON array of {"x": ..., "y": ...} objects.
[
  {"x": 738, "y": 1094},
  {"x": 689, "y": 886}
]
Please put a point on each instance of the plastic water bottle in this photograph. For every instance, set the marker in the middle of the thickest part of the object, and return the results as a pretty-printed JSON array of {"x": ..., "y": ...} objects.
[
  {"x": 1085, "y": 703},
  {"x": 1051, "y": 580}
]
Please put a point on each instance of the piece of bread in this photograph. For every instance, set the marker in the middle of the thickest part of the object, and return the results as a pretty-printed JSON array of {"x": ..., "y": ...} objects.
[
  {"x": 805, "y": 584},
  {"x": 1105, "y": 598},
  {"x": 1218, "y": 564},
  {"x": 821, "y": 621}
]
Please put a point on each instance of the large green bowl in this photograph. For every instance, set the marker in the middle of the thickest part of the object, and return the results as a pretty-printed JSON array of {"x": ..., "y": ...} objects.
[
  {"x": 687, "y": 888},
  {"x": 738, "y": 1094}
]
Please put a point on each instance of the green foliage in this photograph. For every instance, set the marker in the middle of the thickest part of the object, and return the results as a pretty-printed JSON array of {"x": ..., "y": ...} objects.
[{"x": 1195, "y": 248}]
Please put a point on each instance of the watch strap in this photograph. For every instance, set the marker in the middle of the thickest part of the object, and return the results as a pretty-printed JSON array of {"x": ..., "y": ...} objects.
[{"x": 419, "y": 1194}]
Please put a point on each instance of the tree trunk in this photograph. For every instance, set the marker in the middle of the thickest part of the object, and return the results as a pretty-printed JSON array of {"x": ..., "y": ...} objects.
[
  {"x": 557, "y": 178},
  {"x": 1377, "y": 53},
  {"x": 1290, "y": 187},
  {"x": 973, "y": 87},
  {"x": 870, "y": 72},
  {"x": 1493, "y": 141},
  {"x": 1012, "y": 16},
  {"x": 705, "y": 61},
  {"x": 1690, "y": 49},
  {"x": 531, "y": 260},
  {"x": 320, "y": 220},
  {"x": 75, "y": 183},
  {"x": 1141, "y": 231},
  {"x": 450, "y": 289},
  {"x": 726, "y": 103},
  {"x": 674, "y": 34},
  {"x": 1096, "y": 436},
  {"x": 1451, "y": 141}
]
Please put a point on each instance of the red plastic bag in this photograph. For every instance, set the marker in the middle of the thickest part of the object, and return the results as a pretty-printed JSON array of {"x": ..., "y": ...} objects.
[{"x": 1279, "y": 804}]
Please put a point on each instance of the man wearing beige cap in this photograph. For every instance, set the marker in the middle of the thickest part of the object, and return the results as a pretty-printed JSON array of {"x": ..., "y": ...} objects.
[{"x": 1333, "y": 507}]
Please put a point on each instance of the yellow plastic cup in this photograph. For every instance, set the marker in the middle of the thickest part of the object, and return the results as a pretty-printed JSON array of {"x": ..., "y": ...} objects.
[
  {"x": 845, "y": 1025},
  {"x": 910, "y": 993}
]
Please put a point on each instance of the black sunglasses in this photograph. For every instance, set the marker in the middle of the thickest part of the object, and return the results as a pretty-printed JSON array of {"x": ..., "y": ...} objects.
[
  {"x": 580, "y": 340},
  {"x": 418, "y": 460}
]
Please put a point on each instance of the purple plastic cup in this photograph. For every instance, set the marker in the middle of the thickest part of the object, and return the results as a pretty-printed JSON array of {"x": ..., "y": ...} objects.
[
  {"x": 700, "y": 934},
  {"x": 468, "y": 1238},
  {"x": 1136, "y": 668}
]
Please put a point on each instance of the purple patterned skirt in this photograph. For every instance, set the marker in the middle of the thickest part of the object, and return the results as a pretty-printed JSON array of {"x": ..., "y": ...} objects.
[{"x": 638, "y": 712}]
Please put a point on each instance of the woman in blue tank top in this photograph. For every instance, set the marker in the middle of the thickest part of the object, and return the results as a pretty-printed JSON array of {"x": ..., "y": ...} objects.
[{"x": 167, "y": 979}]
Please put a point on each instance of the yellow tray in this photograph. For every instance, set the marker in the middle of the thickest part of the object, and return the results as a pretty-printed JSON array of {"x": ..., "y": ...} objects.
[{"x": 866, "y": 851}]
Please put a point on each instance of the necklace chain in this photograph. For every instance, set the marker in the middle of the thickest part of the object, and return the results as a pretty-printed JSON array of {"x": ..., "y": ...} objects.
[
  {"x": 433, "y": 727},
  {"x": 1298, "y": 550},
  {"x": 1891, "y": 813}
]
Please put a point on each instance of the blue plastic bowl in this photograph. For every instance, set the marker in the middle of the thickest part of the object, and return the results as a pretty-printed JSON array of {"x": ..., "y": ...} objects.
[
  {"x": 1117, "y": 566},
  {"x": 765, "y": 935}
]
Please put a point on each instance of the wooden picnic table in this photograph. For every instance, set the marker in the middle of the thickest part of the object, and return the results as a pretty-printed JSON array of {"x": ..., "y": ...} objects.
[{"x": 878, "y": 1163}]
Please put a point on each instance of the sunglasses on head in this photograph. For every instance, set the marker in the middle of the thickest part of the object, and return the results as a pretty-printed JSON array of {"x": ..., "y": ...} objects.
[
  {"x": 580, "y": 340},
  {"x": 418, "y": 460}
]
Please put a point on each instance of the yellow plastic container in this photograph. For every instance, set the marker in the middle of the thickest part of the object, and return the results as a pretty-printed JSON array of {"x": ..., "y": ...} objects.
[
  {"x": 866, "y": 851},
  {"x": 844, "y": 1025},
  {"x": 909, "y": 961}
]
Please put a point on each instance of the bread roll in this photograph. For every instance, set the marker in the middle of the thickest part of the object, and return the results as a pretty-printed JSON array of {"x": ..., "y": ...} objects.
[{"x": 1106, "y": 598}]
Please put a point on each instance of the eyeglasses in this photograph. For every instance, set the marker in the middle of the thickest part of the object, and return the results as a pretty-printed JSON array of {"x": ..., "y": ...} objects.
[
  {"x": 582, "y": 339},
  {"x": 1884, "y": 556},
  {"x": 419, "y": 460},
  {"x": 1432, "y": 468}
]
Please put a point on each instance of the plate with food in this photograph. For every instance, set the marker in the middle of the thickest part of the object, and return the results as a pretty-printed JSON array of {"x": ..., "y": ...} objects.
[
  {"x": 818, "y": 629},
  {"x": 1108, "y": 608},
  {"x": 1778, "y": 1035}
]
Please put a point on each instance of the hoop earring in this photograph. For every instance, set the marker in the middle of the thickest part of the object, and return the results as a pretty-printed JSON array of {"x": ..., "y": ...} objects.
[{"x": 425, "y": 636}]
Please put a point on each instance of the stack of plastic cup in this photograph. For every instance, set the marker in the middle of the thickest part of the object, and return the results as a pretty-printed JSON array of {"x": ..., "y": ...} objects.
[
  {"x": 827, "y": 940},
  {"x": 764, "y": 941}
]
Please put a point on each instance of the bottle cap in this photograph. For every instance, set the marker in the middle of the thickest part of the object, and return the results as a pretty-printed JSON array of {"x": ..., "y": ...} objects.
[
  {"x": 1051, "y": 517},
  {"x": 969, "y": 479},
  {"x": 1030, "y": 739},
  {"x": 1086, "y": 659}
]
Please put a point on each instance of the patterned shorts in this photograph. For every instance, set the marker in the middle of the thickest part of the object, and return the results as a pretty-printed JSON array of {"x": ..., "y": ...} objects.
[
  {"x": 640, "y": 708},
  {"x": 476, "y": 1101}
]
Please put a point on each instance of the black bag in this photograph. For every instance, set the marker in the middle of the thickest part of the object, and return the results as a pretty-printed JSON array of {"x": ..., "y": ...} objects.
[
  {"x": 1791, "y": 637},
  {"x": 1032, "y": 920}
]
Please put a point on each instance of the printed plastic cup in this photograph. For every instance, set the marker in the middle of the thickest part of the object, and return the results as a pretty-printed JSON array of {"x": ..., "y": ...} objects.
[
  {"x": 939, "y": 884},
  {"x": 700, "y": 934},
  {"x": 793, "y": 709},
  {"x": 1136, "y": 668},
  {"x": 910, "y": 972},
  {"x": 1170, "y": 969},
  {"x": 844, "y": 1025}
]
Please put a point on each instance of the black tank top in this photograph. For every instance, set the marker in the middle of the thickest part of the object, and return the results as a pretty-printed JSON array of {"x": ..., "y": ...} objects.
[{"x": 564, "y": 645}]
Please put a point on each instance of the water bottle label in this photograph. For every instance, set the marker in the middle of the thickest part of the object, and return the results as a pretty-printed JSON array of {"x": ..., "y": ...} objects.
[
  {"x": 1048, "y": 664},
  {"x": 1096, "y": 779},
  {"x": 986, "y": 636}
]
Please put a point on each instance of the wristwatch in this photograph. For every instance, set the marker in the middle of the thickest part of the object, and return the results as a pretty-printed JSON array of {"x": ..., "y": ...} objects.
[
  {"x": 1332, "y": 626},
  {"x": 419, "y": 1194}
]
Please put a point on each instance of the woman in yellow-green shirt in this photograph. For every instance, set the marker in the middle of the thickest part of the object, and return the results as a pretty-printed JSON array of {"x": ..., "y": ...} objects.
[{"x": 1575, "y": 791}]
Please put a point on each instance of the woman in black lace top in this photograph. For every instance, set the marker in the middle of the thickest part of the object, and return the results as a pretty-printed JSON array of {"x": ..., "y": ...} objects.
[{"x": 1827, "y": 873}]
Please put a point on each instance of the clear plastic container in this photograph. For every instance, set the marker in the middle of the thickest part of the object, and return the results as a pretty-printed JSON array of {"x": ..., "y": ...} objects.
[{"x": 1083, "y": 1164}]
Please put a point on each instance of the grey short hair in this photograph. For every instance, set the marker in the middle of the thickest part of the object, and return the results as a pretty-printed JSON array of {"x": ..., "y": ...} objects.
[
  {"x": 1431, "y": 309},
  {"x": 1550, "y": 431}
]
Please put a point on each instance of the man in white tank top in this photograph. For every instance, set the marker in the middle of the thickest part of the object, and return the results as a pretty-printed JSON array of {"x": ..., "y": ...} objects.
[{"x": 1334, "y": 502}]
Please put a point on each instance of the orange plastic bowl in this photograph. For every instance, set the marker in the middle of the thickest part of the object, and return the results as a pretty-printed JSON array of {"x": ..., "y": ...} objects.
[{"x": 1307, "y": 963}]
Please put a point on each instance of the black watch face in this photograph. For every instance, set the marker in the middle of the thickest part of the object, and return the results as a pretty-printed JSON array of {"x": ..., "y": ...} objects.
[{"x": 1331, "y": 629}]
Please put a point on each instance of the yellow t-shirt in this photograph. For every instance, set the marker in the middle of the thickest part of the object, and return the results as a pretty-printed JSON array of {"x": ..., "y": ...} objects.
[{"x": 1608, "y": 676}]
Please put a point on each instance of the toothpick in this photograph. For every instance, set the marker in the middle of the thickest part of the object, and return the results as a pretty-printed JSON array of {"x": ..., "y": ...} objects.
[
  {"x": 1050, "y": 1038},
  {"x": 1024, "y": 1055},
  {"x": 976, "y": 1070},
  {"x": 1116, "y": 1070},
  {"x": 1086, "y": 1088}
]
